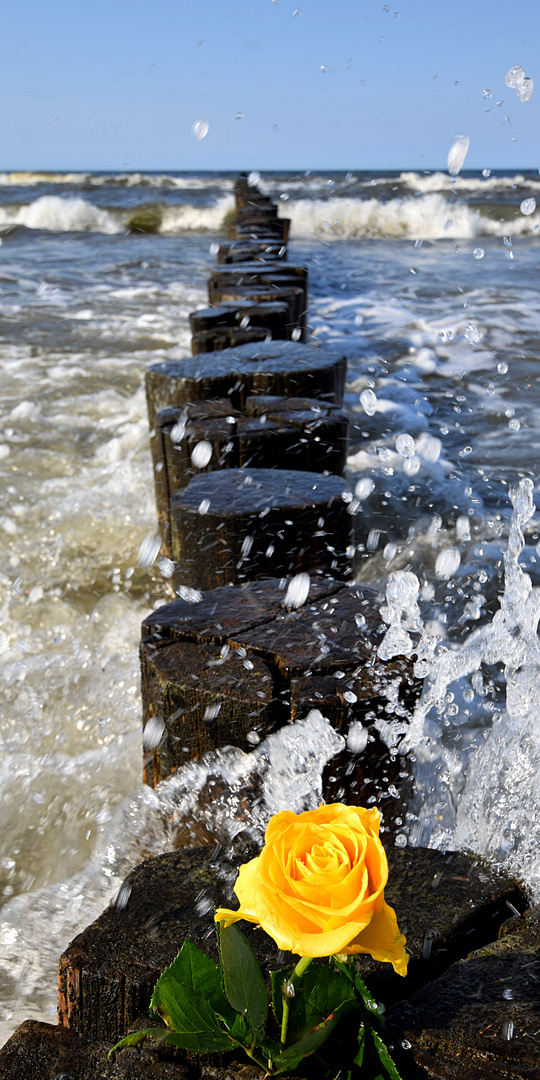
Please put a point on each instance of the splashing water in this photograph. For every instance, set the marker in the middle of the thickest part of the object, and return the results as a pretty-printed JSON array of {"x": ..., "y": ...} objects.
[{"x": 492, "y": 806}]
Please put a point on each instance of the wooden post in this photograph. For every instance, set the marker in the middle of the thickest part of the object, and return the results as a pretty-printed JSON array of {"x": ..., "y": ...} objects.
[{"x": 241, "y": 524}]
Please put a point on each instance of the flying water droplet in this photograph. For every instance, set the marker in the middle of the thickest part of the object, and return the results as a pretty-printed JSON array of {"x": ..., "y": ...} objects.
[
  {"x": 528, "y": 206},
  {"x": 296, "y": 334},
  {"x": 200, "y": 129},
  {"x": 514, "y": 425},
  {"x": 191, "y": 596},
  {"x": 364, "y": 487},
  {"x": 405, "y": 446},
  {"x": 368, "y": 401},
  {"x": 447, "y": 563},
  {"x": 153, "y": 733},
  {"x": 201, "y": 454},
  {"x": 457, "y": 154},
  {"x": 478, "y": 253},
  {"x": 472, "y": 334},
  {"x": 149, "y": 550},
  {"x": 357, "y": 738},
  {"x": 514, "y": 77},
  {"x": 297, "y": 591}
]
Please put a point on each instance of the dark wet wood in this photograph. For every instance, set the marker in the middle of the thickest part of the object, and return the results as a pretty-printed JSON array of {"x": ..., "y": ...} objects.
[
  {"x": 241, "y": 524},
  {"x": 38, "y": 1051},
  {"x": 249, "y": 274},
  {"x": 320, "y": 656},
  {"x": 479, "y": 1020},
  {"x": 292, "y": 295},
  {"x": 280, "y": 368},
  {"x": 285, "y": 369},
  {"x": 226, "y": 337},
  {"x": 275, "y": 318},
  {"x": 292, "y": 433},
  {"x": 108, "y": 972},
  {"x": 237, "y": 251},
  {"x": 260, "y": 227}
]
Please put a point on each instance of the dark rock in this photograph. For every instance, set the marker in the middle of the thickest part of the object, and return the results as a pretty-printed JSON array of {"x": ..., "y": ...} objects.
[{"x": 481, "y": 1019}]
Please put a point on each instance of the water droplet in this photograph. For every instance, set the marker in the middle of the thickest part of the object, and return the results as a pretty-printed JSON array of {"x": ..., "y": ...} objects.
[
  {"x": 487, "y": 94},
  {"x": 368, "y": 401},
  {"x": 507, "y": 241},
  {"x": 457, "y": 154},
  {"x": 528, "y": 206},
  {"x": 364, "y": 487},
  {"x": 204, "y": 506},
  {"x": 297, "y": 13},
  {"x": 401, "y": 840},
  {"x": 447, "y": 563},
  {"x": 214, "y": 248},
  {"x": 486, "y": 173},
  {"x": 253, "y": 738},
  {"x": 201, "y": 454},
  {"x": 211, "y": 712},
  {"x": 200, "y": 129},
  {"x": 466, "y": 451},
  {"x": 350, "y": 697},
  {"x": 166, "y": 567},
  {"x": 507, "y": 1029},
  {"x": 478, "y": 253},
  {"x": 405, "y": 446},
  {"x": 514, "y": 425},
  {"x": 357, "y": 738},
  {"x": 406, "y": 1044},
  {"x": 149, "y": 550},
  {"x": 153, "y": 733},
  {"x": 297, "y": 591},
  {"x": 296, "y": 334},
  {"x": 472, "y": 334},
  {"x": 191, "y": 596},
  {"x": 502, "y": 367}
]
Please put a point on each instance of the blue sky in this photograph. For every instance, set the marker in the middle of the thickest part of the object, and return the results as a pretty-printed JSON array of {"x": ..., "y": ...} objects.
[{"x": 350, "y": 84}]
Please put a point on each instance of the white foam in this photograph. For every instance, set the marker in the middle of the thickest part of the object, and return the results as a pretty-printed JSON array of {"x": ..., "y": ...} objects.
[
  {"x": 188, "y": 218},
  {"x": 61, "y": 215}
]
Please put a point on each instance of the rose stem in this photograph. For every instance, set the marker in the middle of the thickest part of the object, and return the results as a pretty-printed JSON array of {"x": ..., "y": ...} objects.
[{"x": 301, "y": 966}]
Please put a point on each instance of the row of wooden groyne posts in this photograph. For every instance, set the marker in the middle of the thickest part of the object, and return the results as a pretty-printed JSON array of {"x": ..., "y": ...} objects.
[{"x": 249, "y": 443}]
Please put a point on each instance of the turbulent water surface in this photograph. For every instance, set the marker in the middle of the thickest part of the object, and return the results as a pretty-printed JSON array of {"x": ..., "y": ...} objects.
[{"x": 430, "y": 286}]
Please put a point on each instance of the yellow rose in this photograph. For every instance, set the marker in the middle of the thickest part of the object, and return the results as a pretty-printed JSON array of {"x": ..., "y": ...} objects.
[{"x": 317, "y": 887}]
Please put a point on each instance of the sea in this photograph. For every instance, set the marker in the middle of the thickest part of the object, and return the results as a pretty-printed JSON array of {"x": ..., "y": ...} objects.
[{"x": 430, "y": 285}]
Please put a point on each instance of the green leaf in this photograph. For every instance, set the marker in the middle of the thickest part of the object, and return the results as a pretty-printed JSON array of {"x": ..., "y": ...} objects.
[
  {"x": 135, "y": 1039},
  {"x": 319, "y": 992},
  {"x": 193, "y": 1022},
  {"x": 198, "y": 972},
  {"x": 242, "y": 976},
  {"x": 290, "y": 1058},
  {"x": 203, "y": 1043},
  {"x": 390, "y": 1071}
]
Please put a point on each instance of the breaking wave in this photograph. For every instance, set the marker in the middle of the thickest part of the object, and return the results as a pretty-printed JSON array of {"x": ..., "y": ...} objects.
[{"x": 430, "y": 216}]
